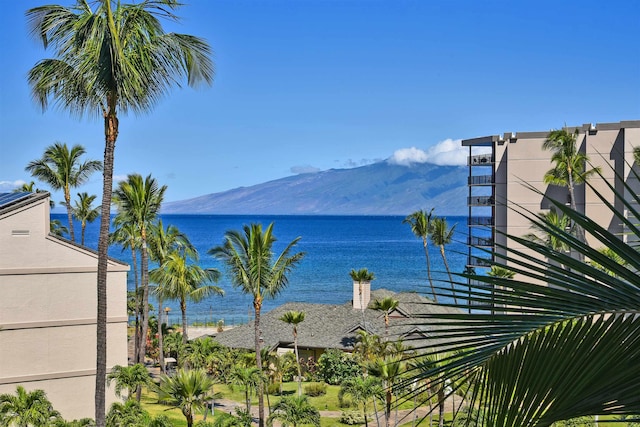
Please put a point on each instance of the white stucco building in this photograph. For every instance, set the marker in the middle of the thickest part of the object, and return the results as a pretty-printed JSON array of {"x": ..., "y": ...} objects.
[{"x": 48, "y": 309}]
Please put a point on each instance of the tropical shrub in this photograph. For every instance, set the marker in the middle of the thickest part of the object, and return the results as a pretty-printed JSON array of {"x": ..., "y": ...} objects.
[
  {"x": 27, "y": 408},
  {"x": 351, "y": 418},
  {"x": 335, "y": 366},
  {"x": 315, "y": 390}
]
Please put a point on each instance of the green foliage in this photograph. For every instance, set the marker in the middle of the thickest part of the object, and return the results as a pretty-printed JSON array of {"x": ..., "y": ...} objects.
[
  {"x": 315, "y": 389},
  {"x": 188, "y": 390},
  {"x": 585, "y": 421},
  {"x": 27, "y": 408},
  {"x": 362, "y": 275},
  {"x": 129, "y": 378},
  {"x": 335, "y": 366},
  {"x": 351, "y": 418},
  {"x": 294, "y": 410},
  {"x": 532, "y": 354}
]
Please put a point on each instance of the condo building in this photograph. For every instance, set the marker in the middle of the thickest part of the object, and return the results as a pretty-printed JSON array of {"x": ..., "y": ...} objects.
[
  {"x": 504, "y": 170},
  {"x": 48, "y": 309}
]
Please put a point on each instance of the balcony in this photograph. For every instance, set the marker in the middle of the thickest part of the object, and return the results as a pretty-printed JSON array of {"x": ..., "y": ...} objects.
[
  {"x": 474, "y": 261},
  {"x": 486, "y": 221},
  {"x": 480, "y": 180},
  {"x": 480, "y": 241},
  {"x": 480, "y": 201},
  {"x": 480, "y": 160}
]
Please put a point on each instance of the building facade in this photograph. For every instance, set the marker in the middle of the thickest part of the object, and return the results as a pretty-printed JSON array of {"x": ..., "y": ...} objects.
[
  {"x": 506, "y": 178},
  {"x": 48, "y": 309}
]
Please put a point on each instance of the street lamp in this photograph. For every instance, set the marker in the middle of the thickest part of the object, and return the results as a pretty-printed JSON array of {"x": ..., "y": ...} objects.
[{"x": 166, "y": 311}]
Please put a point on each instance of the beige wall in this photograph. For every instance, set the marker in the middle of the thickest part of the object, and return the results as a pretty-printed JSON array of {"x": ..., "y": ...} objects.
[{"x": 48, "y": 312}]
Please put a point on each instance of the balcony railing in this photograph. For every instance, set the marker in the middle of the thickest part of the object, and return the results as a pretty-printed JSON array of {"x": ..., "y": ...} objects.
[
  {"x": 475, "y": 261},
  {"x": 479, "y": 241},
  {"x": 480, "y": 180},
  {"x": 480, "y": 220},
  {"x": 480, "y": 160},
  {"x": 480, "y": 201}
]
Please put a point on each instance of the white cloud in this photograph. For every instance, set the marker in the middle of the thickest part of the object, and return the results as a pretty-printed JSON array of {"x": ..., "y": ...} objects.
[
  {"x": 445, "y": 153},
  {"x": 119, "y": 178},
  {"x": 304, "y": 169},
  {"x": 8, "y": 186}
]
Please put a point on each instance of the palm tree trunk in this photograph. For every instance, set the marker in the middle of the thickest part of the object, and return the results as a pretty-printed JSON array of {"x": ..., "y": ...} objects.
[
  {"x": 441, "y": 396},
  {"x": 295, "y": 347},
  {"x": 136, "y": 335},
  {"x": 160, "y": 337},
  {"x": 364, "y": 411},
  {"x": 144, "y": 267},
  {"x": 425, "y": 245},
  {"x": 84, "y": 225},
  {"x": 446, "y": 266},
  {"x": 67, "y": 202},
  {"x": 375, "y": 409},
  {"x": 183, "y": 309},
  {"x": 257, "y": 305},
  {"x": 111, "y": 134},
  {"x": 387, "y": 408}
]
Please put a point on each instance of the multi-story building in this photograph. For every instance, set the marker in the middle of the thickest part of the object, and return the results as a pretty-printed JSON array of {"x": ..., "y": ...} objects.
[
  {"x": 48, "y": 309},
  {"x": 503, "y": 169}
]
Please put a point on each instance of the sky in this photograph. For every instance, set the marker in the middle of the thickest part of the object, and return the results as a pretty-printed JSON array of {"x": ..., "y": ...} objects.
[{"x": 310, "y": 85}]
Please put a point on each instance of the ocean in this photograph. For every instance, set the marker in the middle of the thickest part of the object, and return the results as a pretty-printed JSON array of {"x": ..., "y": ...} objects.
[{"x": 333, "y": 244}]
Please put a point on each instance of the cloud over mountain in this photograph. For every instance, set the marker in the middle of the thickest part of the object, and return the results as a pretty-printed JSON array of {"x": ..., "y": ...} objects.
[{"x": 445, "y": 153}]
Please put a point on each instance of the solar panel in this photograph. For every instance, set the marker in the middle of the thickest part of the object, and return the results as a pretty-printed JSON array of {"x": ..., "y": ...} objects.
[{"x": 10, "y": 198}]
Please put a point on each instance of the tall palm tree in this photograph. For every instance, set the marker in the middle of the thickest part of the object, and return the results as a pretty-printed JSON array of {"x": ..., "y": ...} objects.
[
  {"x": 569, "y": 168},
  {"x": 129, "y": 379},
  {"x": 361, "y": 277},
  {"x": 442, "y": 235},
  {"x": 84, "y": 212},
  {"x": 182, "y": 280},
  {"x": 294, "y": 318},
  {"x": 294, "y": 411},
  {"x": 420, "y": 222},
  {"x": 386, "y": 305},
  {"x": 188, "y": 390},
  {"x": 559, "y": 222},
  {"x": 106, "y": 62},
  {"x": 254, "y": 268},
  {"x": 138, "y": 201},
  {"x": 161, "y": 243},
  {"x": 560, "y": 351},
  {"x": 62, "y": 169},
  {"x": 27, "y": 408}
]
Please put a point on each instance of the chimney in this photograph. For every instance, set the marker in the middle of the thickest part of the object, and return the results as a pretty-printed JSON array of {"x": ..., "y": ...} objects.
[{"x": 366, "y": 294}]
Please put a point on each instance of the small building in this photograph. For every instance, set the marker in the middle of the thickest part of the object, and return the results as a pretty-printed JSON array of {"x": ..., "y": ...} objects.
[
  {"x": 336, "y": 326},
  {"x": 48, "y": 309}
]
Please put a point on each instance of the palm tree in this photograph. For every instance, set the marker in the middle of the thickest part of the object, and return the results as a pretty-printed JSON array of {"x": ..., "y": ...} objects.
[
  {"x": 256, "y": 271},
  {"x": 292, "y": 411},
  {"x": 522, "y": 363},
  {"x": 361, "y": 390},
  {"x": 499, "y": 271},
  {"x": 138, "y": 201},
  {"x": 569, "y": 168},
  {"x": 62, "y": 169},
  {"x": 294, "y": 318},
  {"x": 56, "y": 228},
  {"x": 26, "y": 188},
  {"x": 182, "y": 280},
  {"x": 247, "y": 377},
  {"x": 420, "y": 222},
  {"x": 361, "y": 277},
  {"x": 386, "y": 305},
  {"x": 106, "y": 62},
  {"x": 441, "y": 236},
  {"x": 129, "y": 378},
  {"x": 161, "y": 243},
  {"x": 27, "y": 408},
  {"x": 188, "y": 390},
  {"x": 84, "y": 212},
  {"x": 126, "y": 234},
  {"x": 559, "y": 222},
  {"x": 389, "y": 370}
]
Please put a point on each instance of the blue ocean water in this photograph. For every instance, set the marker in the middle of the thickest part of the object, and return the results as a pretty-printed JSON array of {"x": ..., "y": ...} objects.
[{"x": 333, "y": 244}]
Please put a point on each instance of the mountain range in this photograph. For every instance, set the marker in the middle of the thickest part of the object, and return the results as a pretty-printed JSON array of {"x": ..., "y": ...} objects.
[{"x": 380, "y": 188}]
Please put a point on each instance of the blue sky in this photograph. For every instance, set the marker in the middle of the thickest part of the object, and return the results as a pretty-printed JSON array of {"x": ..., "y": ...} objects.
[{"x": 307, "y": 85}]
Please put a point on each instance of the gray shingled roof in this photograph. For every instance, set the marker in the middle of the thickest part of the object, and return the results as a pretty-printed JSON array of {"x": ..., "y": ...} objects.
[{"x": 335, "y": 326}]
